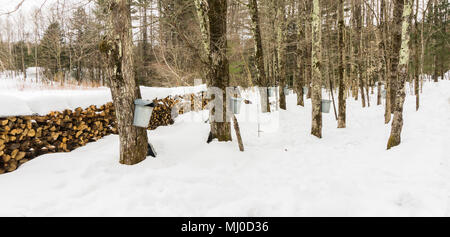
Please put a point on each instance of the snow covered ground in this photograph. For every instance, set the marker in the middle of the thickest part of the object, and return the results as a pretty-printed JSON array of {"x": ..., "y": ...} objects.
[{"x": 283, "y": 172}]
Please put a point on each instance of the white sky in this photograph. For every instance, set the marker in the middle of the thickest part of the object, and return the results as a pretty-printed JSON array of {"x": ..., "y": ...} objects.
[{"x": 28, "y": 5}]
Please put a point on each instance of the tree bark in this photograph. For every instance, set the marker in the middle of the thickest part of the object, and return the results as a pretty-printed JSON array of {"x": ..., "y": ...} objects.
[
  {"x": 397, "y": 122},
  {"x": 281, "y": 56},
  {"x": 416, "y": 58},
  {"x": 358, "y": 49},
  {"x": 387, "y": 53},
  {"x": 307, "y": 53},
  {"x": 119, "y": 50},
  {"x": 259, "y": 55},
  {"x": 212, "y": 16},
  {"x": 381, "y": 49},
  {"x": 341, "y": 48},
  {"x": 301, "y": 49},
  {"x": 396, "y": 44},
  {"x": 316, "y": 128},
  {"x": 220, "y": 77}
]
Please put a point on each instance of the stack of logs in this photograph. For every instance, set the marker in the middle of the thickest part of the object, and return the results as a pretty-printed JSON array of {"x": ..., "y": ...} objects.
[{"x": 23, "y": 138}]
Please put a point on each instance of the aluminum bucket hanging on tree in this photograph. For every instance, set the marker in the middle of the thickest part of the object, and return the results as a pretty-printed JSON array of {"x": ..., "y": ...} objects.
[
  {"x": 286, "y": 91},
  {"x": 270, "y": 92},
  {"x": 235, "y": 104},
  {"x": 325, "y": 105},
  {"x": 305, "y": 90},
  {"x": 142, "y": 113}
]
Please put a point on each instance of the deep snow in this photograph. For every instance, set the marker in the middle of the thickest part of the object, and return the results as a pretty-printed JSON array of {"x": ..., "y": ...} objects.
[{"x": 284, "y": 172}]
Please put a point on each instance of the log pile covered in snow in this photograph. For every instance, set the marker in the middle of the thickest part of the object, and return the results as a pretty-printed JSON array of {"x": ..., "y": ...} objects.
[{"x": 23, "y": 138}]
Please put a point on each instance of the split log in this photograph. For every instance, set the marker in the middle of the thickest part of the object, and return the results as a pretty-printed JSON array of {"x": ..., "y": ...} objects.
[{"x": 11, "y": 166}]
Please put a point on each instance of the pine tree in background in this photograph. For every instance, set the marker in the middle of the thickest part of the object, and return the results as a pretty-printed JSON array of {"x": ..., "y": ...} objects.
[{"x": 51, "y": 49}]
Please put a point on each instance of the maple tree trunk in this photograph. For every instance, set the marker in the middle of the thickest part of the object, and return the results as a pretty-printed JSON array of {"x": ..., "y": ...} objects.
[{"x": 119, "y": 50}]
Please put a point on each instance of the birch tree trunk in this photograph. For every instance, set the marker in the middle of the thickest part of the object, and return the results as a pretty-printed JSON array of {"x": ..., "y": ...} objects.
[
  {"x": 396, "y": 44},
  {"x": 119, "y": 50},
  {"x": 397, "y": 122},
  {"x": 341, "y": 48},
  {"x": 316, "y": 63}
]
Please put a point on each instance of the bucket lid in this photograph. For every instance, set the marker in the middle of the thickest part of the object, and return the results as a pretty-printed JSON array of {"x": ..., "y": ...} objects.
[{"x": 144, "y": 102}]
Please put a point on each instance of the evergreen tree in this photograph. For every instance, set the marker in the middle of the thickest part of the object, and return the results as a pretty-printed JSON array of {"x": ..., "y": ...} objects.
[{"x": 52, "y": 49}]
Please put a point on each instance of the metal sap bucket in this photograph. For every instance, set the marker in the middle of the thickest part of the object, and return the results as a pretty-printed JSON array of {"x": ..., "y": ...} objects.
[
  {"x": 286, "y": 91},
  {"x": 305, "y": 90},
  {"x": 326, "y": 104},
  {"x": 271, "y": 92},
  {"x": 383, "y": 94},
  {"x": 142, "y": 113},
  {"x": 235, "y": 104}
]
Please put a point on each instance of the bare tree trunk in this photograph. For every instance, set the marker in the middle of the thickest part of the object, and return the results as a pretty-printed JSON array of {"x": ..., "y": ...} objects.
[
  {"x": 301, "y": 49},
  {"x": 316, "y": 128},
  {"x": 119, "y": 51},
  {"x": 396, "y": 44},
  {"x": 259, "y": 55},
  {"x": 358, "y": 49},
  {"x": 145, "y": 48},
  {"x": 397, "y": 122},
  {"x": 213, "y": 25},
  {"x": 435, "y": 58},
  {"x": 416, "y": 58},
  {"x": 24, "y": 70},
  {"x": 341, "y": 48},
  {"x": 281, "y": 41},
  {"x": 387, "y": 54},
  {"x": 422, "y": 47},
  {"x": 219, "y": 63},
  {"x": 308, "y": 38},
  {"x": 381, "y": 49}
]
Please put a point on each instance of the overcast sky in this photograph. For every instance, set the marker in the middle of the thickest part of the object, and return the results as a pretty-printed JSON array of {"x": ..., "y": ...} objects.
[{"x": 28, "y": 5}]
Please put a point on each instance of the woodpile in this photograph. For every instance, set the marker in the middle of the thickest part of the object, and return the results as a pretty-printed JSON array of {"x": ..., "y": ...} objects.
[
  {"x": 191, "y": 102},
  {"x": 162, "y": 113},
  {"x": 23, "y": 138}
]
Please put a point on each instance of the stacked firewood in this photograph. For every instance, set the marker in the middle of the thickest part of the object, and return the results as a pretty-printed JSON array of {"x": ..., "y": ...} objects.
[
  {"x": 161, "y": 115},
  {"x": 23, "y": 138},
  {"x": 191, "y": 102},
  {"x": 166, "y": 109}
]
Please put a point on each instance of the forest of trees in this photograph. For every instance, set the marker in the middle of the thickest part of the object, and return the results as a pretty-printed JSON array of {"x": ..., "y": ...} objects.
[
  {"x": 64, "y": 40},
  {"x": 353, "y": 46}
]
